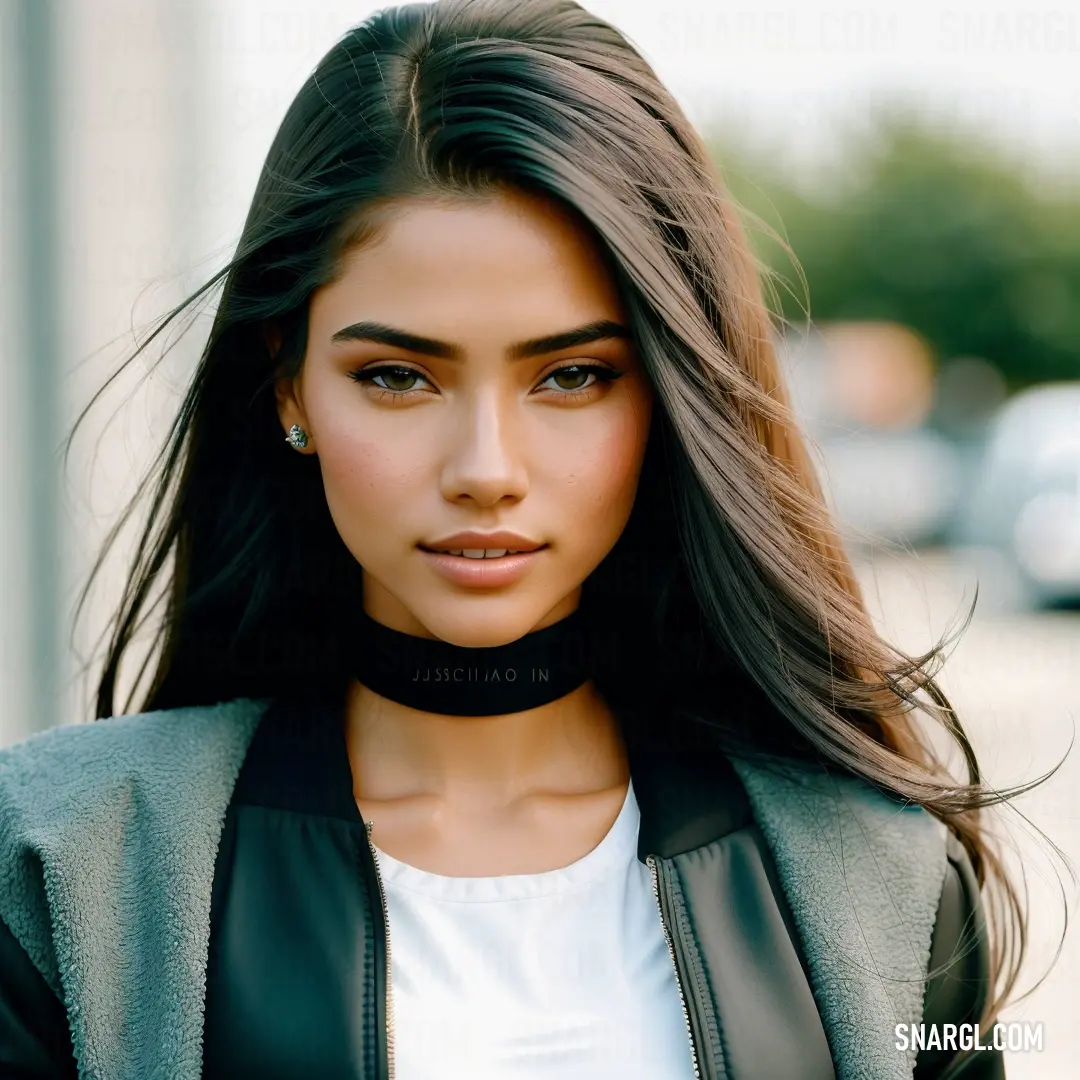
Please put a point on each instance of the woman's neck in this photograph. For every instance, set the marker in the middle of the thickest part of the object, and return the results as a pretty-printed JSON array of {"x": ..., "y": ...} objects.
[{"x": 571, "y": 745}]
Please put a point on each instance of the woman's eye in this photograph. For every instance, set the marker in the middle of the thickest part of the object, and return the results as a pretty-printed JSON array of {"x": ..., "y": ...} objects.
[
  {"x": 570, "y": 378},
  {"x": 394, "y": 379},
  {"x": 574, "y": 374}
]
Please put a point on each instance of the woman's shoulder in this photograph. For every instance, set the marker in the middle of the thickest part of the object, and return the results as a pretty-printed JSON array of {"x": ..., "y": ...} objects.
[
  {"x": 64, "y": 766},
  {"x": 91, "y": 810},
  {"x": 800, "y": 806},
  {"x": 821, "y": 800}
]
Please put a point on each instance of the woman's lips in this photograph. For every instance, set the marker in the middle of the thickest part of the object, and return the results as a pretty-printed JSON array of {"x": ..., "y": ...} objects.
[{"x": 483, "y": 573}]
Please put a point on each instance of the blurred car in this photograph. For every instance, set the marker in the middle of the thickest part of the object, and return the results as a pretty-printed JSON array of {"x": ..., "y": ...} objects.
[
  {"x": 889, "y": 485},
  {"x": 1025, "y": 498},
  {"x": 862, "y": 392}
]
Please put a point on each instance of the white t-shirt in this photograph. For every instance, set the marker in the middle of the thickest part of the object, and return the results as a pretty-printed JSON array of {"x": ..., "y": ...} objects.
[{"x": 526, "y": 976}]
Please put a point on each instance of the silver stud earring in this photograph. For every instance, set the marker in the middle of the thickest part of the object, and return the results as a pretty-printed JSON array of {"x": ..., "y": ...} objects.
[{"x": 297, "y": 437}]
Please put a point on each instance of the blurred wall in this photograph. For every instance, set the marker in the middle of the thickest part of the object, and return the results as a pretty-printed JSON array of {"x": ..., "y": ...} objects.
[
  {"x": 16, "y": 610},
  {"x": 123, "y": 210},
  {"x": 130, "y": 112}
]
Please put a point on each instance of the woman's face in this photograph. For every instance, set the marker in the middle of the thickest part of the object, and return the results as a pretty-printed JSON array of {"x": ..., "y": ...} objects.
[{"x": 471, "y": 369}]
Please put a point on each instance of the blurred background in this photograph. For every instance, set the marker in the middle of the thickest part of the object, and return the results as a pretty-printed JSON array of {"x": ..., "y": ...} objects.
[{"x": 909, "y": 176}]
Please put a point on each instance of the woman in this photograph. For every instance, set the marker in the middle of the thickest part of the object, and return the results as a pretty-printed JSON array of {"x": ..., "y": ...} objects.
[{"x": 516, "y": 713}]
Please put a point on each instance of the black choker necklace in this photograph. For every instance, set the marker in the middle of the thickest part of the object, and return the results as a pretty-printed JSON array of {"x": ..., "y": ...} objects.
[{"x": 456, "y": 680}]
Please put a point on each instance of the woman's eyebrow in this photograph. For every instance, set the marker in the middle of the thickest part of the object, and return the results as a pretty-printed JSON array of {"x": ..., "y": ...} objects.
[{"x": 600, "y": 330}]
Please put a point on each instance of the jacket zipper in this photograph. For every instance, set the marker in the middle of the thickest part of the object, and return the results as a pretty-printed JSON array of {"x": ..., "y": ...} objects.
[
  {"x": 386, "y": 932},
  {"x": 651, "y": 862}
]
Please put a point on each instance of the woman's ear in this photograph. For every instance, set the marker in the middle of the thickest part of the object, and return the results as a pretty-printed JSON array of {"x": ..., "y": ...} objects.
[
  {"x": 290, "y": 411},
  {"x": 290, "y": 408}
]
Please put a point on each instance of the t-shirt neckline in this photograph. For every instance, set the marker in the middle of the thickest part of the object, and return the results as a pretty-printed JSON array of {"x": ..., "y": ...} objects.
[{"x": 617, "y": 846}]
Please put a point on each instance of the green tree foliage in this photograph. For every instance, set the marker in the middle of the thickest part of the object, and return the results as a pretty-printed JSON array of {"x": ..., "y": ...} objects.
[{"x": 936, "y": 230}]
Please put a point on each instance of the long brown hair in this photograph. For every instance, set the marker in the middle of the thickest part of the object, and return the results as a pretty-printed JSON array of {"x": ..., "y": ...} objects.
[{"x": 730, "y": 574}]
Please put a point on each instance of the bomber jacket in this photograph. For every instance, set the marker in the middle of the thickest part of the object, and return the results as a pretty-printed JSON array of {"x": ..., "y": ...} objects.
[{"x": 160, "y": 916}]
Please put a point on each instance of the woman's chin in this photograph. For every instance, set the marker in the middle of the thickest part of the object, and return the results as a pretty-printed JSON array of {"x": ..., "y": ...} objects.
[{"x": 487, "y": 624}]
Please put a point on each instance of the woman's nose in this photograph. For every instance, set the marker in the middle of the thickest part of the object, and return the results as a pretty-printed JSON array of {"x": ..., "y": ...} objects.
[{"x": 484, "y": 460}]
